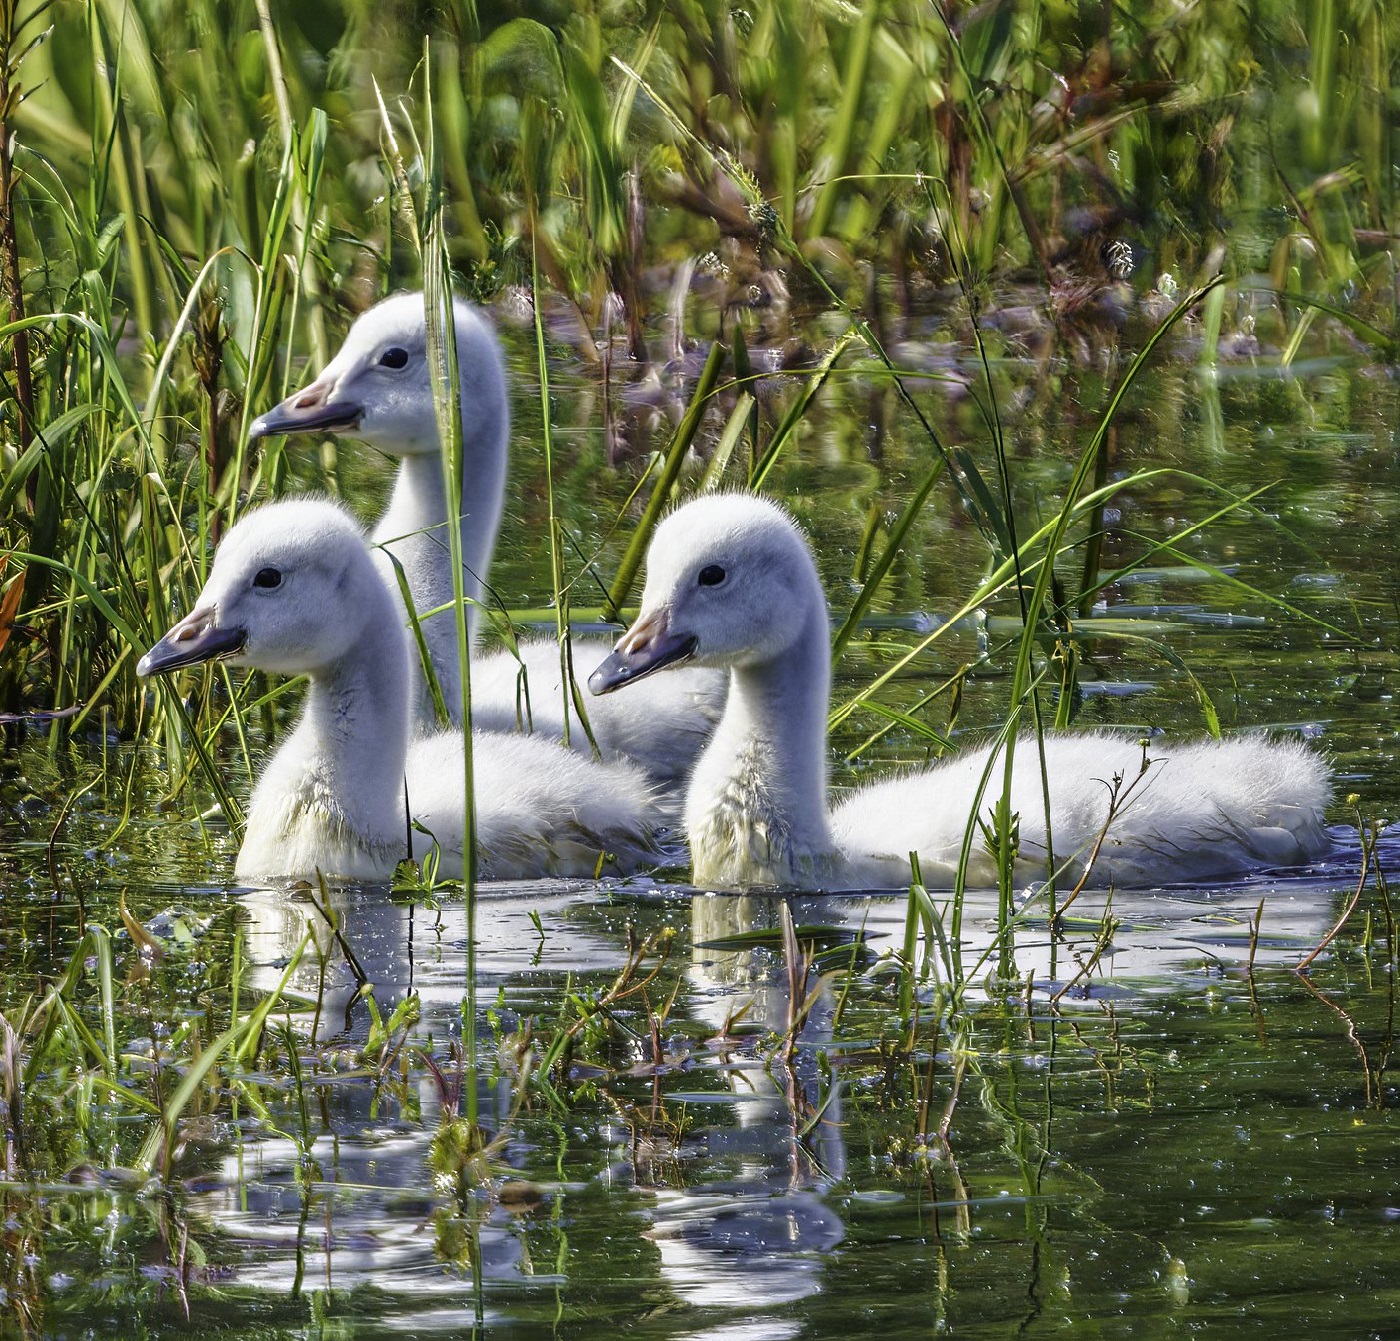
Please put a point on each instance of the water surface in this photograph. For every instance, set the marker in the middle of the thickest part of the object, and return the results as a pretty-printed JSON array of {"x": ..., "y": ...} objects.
[{"x": 1127, "y": 1130}]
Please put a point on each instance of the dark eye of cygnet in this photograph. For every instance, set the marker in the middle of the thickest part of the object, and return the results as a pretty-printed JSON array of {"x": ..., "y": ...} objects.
[
  {"x": 393, "y": 357},
  {"x": 267, "y": 577},
  {"x": 711, "y": 575}
]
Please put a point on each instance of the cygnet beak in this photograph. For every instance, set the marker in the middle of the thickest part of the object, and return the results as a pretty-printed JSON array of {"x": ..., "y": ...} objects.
[
  {"x": 647, "y": 646},
  {"x": 195, "y": 639},
  {"x": 310, "y": 410}
]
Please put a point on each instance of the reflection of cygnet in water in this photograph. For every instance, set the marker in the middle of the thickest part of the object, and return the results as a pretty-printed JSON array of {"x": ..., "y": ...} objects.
[
  {"x": 722, "y": 1243},
  {"x": 372, "y": 1222},
  {"x": 744, "y": 1237},
  {"x": 292, "y": 948},
  {"x": 729, "y": 980},
  {"x": 1120, "y": 937},
  {"x": 402, "y": 949},
  {"x": 384, "y": 1221}
]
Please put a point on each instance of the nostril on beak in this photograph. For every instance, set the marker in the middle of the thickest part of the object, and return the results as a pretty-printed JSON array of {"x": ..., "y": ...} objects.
[
  {"x": 310, "y": 398},
  {"x": 192, "y": 626}
]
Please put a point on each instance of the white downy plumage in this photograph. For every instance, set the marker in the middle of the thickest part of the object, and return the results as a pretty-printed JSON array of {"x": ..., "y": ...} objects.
[
  {"x": 731, "y": 584},
  {"x": 293, "y": 590},
  {"x": 378, "y": 388}
]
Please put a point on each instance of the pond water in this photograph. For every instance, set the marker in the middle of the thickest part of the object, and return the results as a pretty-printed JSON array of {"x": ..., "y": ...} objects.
[{"x": 1153, "y": 1126}]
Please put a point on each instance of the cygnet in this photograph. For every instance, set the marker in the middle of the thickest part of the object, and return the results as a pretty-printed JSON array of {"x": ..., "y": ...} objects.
[
  {"x": 731, "y": 585},
  {"x": 293, "y": 590},
  {"x": 378, "y": 388}
]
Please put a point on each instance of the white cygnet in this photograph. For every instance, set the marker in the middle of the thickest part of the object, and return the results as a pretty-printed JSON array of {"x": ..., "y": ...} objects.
[
  {"x": 378, "y": 388},
  {"x": 731, "y": 584},
  {"x": 293, "y": 590}
]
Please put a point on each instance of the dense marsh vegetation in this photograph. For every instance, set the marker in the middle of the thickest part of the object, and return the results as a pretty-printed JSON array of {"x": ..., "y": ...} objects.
[
  {"x": 199, "y": 196},
  {"x": 968, "y": 286}
]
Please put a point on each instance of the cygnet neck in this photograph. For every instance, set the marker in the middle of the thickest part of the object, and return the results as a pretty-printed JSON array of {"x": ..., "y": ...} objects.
[
  {"x": 356, "y": 711},
  {"x": 332, "y": 797},
  {"x": 414, "y": 530},
  {"x": 354, "y": 727},
  {"x": 756, "y": 811}
]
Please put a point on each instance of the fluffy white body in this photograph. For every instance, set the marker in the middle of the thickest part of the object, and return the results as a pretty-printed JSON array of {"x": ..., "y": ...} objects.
[
  {"x": 1186, "y": 811},
  {"x": 731, "y": 584},
  {"x": 378, "y": 388},
  {"x": 293, "y": 589}
]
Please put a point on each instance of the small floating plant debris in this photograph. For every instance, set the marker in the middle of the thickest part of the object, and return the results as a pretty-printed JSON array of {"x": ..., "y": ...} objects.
[
  {"x": 1186, "y": 572},
  {"x": 773, "y": 937},
  {"x": 832, "y": 945},
  {"x": 1087, "y": 925}
]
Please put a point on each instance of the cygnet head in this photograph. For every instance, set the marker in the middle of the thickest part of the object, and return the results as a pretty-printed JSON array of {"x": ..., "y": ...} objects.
[
  {"x": 291, "y": 590},
  {"x": 379, "y": 388},
  {"x": 730, "y": 584}
]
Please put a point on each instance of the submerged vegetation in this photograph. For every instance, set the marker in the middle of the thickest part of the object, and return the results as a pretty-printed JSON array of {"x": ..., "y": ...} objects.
[{"x": 971, "y": 261}]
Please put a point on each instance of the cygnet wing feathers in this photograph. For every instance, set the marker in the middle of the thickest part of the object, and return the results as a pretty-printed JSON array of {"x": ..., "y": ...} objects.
[
  {"x": 1203, "y": 810},
  {"x": 540, "y": 809}
]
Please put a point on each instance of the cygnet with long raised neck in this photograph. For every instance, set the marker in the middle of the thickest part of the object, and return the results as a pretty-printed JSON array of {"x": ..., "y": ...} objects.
[
  {"x": 293, "y": 590},
  {"x": 378, "y": 388},
  {"x": 731, "y": 584}
]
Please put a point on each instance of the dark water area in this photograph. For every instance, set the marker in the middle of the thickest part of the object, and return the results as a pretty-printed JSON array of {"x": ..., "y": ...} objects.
[
  {"x": 1142, "y": 1122},
  {"x": 1176, "y": 1151}
]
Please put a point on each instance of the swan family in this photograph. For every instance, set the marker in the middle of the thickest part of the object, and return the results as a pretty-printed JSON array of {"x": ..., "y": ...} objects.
[
  {"x": 378, "y": 387},
  {"x": 732, "y": 585},
  {"x": 734, "y": 728}
]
